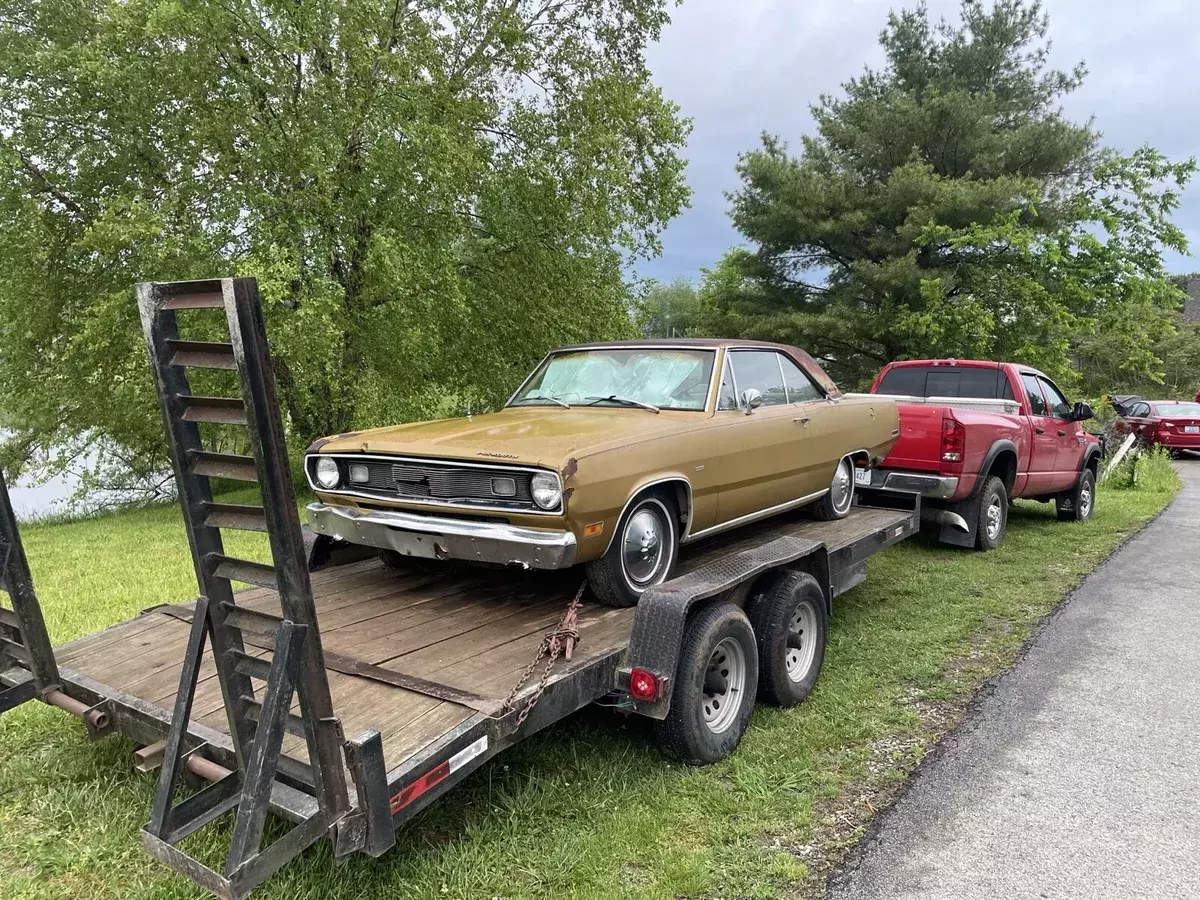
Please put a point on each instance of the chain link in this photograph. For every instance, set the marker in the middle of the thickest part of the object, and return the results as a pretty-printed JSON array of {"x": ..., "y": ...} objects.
[{"x": 560, "y": 641}]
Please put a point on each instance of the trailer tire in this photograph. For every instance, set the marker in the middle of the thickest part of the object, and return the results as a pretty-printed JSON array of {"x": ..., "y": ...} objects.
[
  {"x": 993, "y": 514},
  {"x": 1078, "y": 504},
  {"x": 839, "y": 498},
  {"x": 718, "y": 666},
  {"x": 790, "y": 624},
  {"x": 611, "y": 579}
]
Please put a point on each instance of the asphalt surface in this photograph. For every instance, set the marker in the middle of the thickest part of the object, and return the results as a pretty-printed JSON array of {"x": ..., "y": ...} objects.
[{"x": 1080, "y": 775}]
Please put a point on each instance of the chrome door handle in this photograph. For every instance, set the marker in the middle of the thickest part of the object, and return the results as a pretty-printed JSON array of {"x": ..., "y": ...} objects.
[
  {"x": 803, "y": 420},
  {"x": 1039, "y": 430},
  {"x": 1061, "y": 433}
]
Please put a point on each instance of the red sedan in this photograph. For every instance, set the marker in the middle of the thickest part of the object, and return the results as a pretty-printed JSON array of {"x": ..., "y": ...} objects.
[{"x": 1174, "y": 424}]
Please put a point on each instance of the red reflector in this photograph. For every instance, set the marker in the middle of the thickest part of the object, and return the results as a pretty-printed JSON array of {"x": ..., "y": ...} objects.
[
  {"x": 954, "y": 440},
  {"x": 644, "y": 685}
]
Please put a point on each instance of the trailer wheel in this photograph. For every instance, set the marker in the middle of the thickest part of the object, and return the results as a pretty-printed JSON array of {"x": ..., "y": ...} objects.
[
  {"x": 993, "y": 514},
  {"x": 714, "y": 687},
  {"x": 1078, "y": 504},
  {"x": 790, "y": 627},
  {"x": 840, "y": 497}
]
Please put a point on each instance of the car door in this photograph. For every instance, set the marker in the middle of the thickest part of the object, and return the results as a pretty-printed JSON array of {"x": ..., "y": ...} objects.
[
  {"x": 1069, "y": 436},
  {"x": 760, "y": 448},
  {"x": 1044, "y": 451},
  {"x": 825, "y": 426}
]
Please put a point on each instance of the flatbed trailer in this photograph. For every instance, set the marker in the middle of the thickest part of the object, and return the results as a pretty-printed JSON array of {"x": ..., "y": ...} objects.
[{"x": 431, "y": 670}]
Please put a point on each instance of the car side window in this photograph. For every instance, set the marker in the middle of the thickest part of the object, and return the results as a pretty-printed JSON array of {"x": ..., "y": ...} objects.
[
  {"x": 1059, "y": 407},
  {"x": 759, "y": 369},
  {"x": 1037, "y": 403},
  {"x": 727, "y": 396},
  {"x": 1140, "y": 411},
  {"x": 800, "y": 388}
]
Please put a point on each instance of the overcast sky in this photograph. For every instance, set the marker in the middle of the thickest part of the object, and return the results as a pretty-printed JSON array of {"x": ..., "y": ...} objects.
[{"x": 741, "y": 67}]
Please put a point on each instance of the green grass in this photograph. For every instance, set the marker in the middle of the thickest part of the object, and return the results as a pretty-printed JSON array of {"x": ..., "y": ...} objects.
[{"x": 587, "y": 808}]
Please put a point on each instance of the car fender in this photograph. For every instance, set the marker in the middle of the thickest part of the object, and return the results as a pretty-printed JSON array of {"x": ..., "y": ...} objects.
[
  {"x": 649, "y": 482},
  {"x": 994, "y": 451}
]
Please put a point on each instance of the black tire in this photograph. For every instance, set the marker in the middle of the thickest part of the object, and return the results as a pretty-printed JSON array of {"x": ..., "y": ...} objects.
[
  {"x": 993, "y": 496},
  {"x": 1078, "y": 504},
  {"x": 609, "y": 577},
  {"x": 686, "y": 733},
  {"x": 791, "y": 625},
  {"x": 836, "y": 504}
]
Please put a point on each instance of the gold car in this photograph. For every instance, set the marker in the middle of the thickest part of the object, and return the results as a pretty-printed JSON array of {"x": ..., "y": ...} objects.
[{"x": 612, "y": 455}]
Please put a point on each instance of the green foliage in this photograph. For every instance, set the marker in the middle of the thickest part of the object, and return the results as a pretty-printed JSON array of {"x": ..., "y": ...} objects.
[
  {"x": 667, "y": 310},
  {"x": 946, "y": 207},
  {"x": 1150, "y": 470},
  {"x": 429, "y": 194}
]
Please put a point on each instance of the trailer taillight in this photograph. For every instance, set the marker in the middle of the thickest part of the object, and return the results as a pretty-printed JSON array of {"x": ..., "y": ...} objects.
[
  {"x": 954, "y": 440},
  {"x": 645, "y": 685}
]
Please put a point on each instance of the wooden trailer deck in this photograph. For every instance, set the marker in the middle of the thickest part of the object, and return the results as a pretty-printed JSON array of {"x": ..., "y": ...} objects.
[{"x": 470, "y": 630}]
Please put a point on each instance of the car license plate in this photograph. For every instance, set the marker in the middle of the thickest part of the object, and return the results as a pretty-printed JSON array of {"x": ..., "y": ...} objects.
[
  {"x": 1191, "y": 429},
  {"x": 862, "y": 477}
]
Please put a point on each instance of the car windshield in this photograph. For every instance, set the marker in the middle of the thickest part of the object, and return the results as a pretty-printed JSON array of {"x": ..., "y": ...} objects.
[
  {"x": 622, "y": 376},
  {"x": 1178, "y": 410}
]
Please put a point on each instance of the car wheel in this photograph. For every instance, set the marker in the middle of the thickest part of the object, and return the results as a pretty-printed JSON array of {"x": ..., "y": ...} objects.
[
  {"x": 993, "y": 514},
  {"x": 714, "y": 688},
  {"x": 790, "y": 627},
  {"x": 642, "y": 554},
  {"x": 1078, "y": 504},
  {"x": 839, "y": 499}
]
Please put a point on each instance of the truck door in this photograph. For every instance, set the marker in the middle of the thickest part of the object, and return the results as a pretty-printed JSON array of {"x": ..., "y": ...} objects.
[
  {"x": 1043, "y": 454},
  {"x": 1069, "y": 434}
]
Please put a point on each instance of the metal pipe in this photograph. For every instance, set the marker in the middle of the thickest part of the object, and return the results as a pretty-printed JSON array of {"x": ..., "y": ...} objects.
[
  {"x": 945, "y": 517},
  {"x": 97, "y": 718},
  {"x": 205, "y": 768}
]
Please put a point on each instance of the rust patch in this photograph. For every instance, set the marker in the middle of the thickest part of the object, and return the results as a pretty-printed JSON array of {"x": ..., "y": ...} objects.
[
  {"x": 570, "y": 468},
  {"x": 317, "y": 444},
  {"x": 567, "y": 494}
]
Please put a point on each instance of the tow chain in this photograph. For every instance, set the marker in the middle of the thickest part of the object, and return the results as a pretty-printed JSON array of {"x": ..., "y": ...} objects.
[{"x": 560, "y": 641}]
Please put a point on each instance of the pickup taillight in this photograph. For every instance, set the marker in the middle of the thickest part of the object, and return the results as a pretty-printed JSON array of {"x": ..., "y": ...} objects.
[{"x": 954, "y": 440}]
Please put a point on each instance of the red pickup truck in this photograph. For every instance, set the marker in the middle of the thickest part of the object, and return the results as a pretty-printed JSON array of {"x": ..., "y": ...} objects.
[{"x": 975, "y": 435}]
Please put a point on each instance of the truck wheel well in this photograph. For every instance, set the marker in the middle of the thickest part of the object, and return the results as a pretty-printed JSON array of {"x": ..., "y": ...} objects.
[{"x": 1004, "y": 467}]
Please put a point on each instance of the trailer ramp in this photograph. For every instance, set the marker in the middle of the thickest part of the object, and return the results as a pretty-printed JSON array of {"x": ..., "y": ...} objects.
[{"x": 257, "y": 691}]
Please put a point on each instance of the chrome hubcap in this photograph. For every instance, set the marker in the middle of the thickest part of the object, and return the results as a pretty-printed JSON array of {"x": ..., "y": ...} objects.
[
  {"x": 642, "y": 548},
  {"x": 801, "y": 641},
  {"x": 1085, "y": 501},
  {"x": 994, "y": 516},
  {"x": 724, "y": 685},
  {"x": 842, "y": 488}
]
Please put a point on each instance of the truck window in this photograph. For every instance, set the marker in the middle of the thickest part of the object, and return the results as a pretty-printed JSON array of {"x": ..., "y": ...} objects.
[
  {"x": 947, "y": 381},
  {"x": 1059, "y": 407},
  {"x": 1033, "y": 390}
]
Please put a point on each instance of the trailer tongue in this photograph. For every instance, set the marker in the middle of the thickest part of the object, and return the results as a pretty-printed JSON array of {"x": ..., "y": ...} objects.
[{"x": 430, "y": 673}]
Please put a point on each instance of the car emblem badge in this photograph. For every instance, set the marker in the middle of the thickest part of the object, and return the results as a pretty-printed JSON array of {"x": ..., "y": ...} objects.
[{"x": 498, "y": 455}]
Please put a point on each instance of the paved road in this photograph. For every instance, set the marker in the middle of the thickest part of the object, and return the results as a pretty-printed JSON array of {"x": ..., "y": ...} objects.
[{"x": 1080, "y": 776}]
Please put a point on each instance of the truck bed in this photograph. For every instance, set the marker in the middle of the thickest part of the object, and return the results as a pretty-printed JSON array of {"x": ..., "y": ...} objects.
[{"x": 472, "y": 631}]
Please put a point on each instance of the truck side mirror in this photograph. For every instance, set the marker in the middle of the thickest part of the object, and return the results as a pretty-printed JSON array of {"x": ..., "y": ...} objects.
[
  {"x": 751, "y": 400},
  {"x": 1082, "y": 411}
]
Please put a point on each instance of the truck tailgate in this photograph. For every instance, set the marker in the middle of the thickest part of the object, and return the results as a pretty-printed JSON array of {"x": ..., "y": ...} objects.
[{"x": 919, "y": 447}]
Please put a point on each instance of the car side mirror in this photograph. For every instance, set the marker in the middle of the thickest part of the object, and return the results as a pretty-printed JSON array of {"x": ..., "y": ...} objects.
[
  {"x": 751, "y": 400},
  {"x": 1082, "y": 411}
]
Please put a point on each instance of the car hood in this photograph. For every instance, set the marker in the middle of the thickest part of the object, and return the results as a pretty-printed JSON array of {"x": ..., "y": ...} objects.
[{"x": 546, "y": 436}]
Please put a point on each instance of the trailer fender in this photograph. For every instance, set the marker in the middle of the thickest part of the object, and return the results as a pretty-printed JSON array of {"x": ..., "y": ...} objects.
[{"x": 662, "y": 612}]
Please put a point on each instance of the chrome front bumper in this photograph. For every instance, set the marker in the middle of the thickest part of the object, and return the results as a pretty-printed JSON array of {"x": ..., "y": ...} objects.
[{"x": 437, "y": 537}]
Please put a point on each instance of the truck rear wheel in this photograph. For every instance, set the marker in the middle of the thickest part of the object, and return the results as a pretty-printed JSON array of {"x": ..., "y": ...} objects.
[
  {"x": 993, "y": 514},
  {"x": 1078, "y": 504},
  {"x": 715, "y": 682},
  {"x": 790, "y": 627}
]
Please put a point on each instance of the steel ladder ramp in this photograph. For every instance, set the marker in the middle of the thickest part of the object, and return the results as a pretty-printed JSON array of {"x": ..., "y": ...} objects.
[
  {"x": 314, "y": 796},
  {"x": 24, "y": 641}
]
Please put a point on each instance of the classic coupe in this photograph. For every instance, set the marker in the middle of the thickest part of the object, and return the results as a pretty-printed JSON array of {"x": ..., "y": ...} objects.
[{"x": 612, "y": 455}]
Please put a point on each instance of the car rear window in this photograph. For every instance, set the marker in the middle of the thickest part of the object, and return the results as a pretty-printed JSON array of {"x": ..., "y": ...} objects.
[
  {"x": 946, "y": 381},
  {"x": 1177, "y": 410}
]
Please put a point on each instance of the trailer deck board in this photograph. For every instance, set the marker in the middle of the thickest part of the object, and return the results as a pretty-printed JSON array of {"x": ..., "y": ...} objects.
[{"x": 466, "y": 628}]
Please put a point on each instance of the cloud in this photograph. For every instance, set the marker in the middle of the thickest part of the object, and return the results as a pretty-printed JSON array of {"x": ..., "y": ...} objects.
[{"x": 745, "y": 67}]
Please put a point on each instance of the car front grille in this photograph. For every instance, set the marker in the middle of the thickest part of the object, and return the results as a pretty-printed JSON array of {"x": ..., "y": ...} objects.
[{"x": 497, "y": 487}]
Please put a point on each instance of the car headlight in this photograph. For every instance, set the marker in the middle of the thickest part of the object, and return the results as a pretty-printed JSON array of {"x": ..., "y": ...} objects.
[
  {"x": 545, "y": 490},
  {"x": 327, "y": 472}
]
